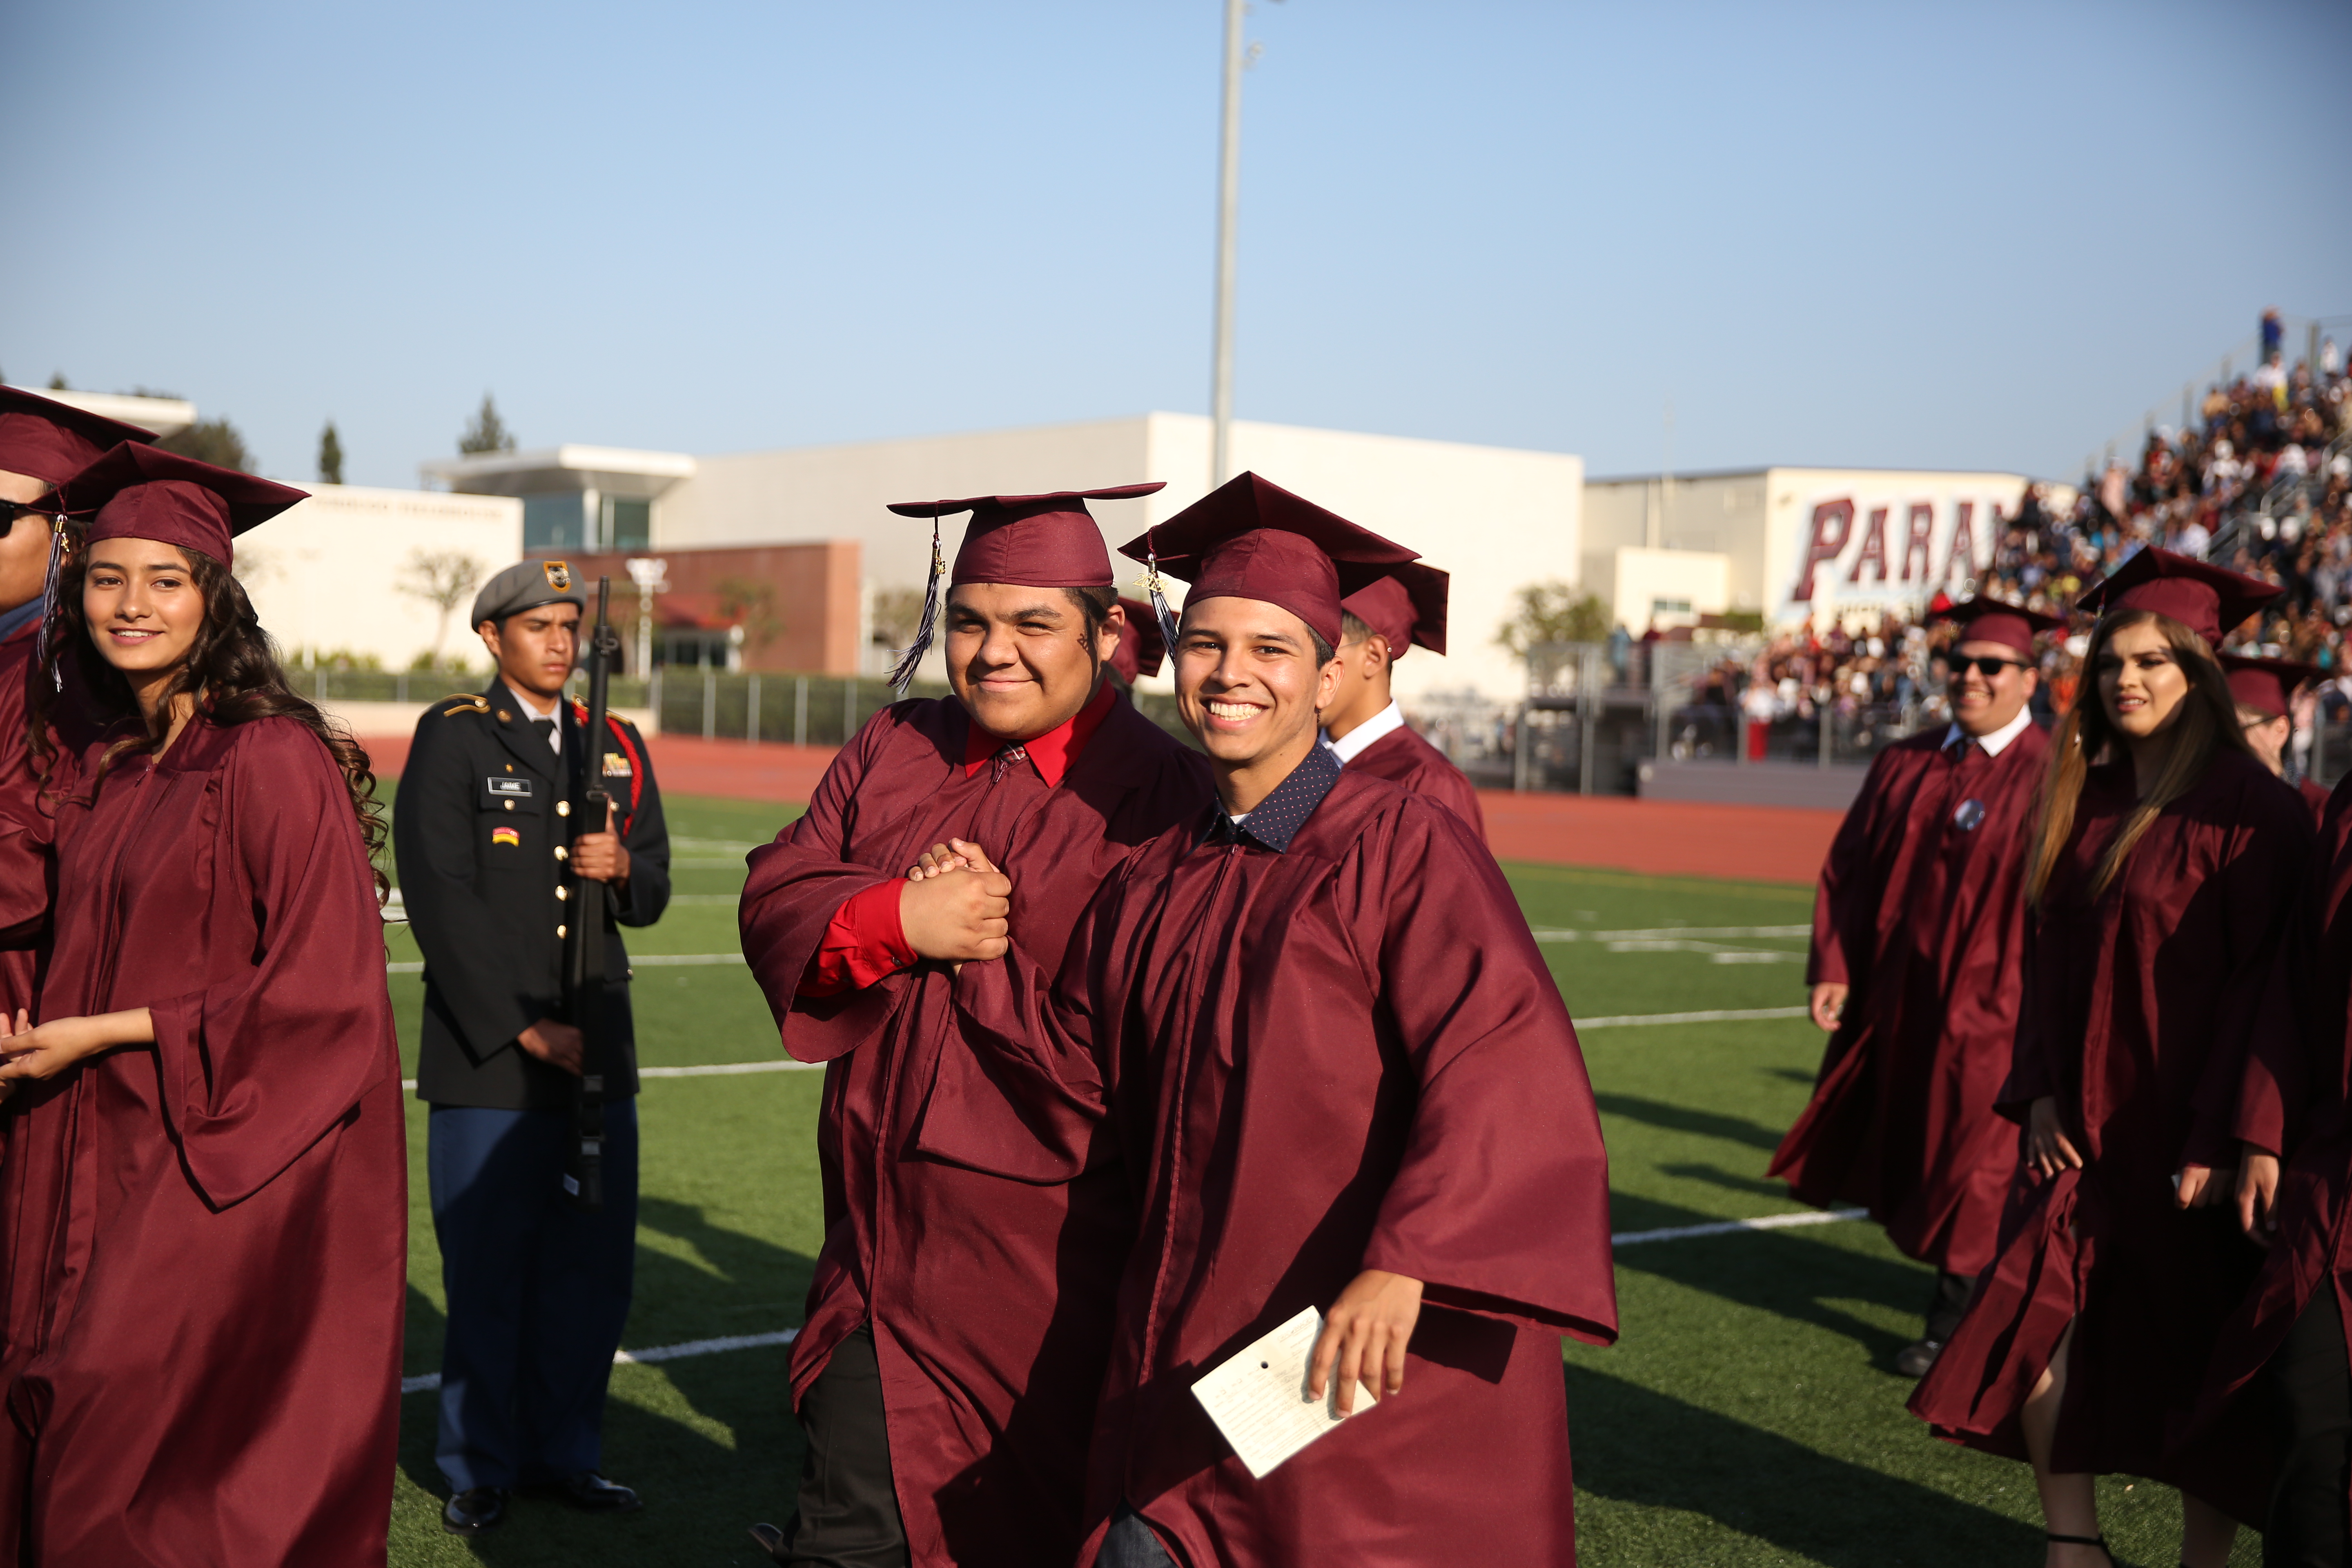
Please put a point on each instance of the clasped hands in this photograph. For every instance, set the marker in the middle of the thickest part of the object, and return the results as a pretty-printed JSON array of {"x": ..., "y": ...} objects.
[
  {"x": 2255, "y": 1179},
  {"x": 43, "y": 1051},
  {"x": 955, "y": 905}
]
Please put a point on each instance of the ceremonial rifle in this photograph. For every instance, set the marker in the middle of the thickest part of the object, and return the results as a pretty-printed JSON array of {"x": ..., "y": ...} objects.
[{"x": 584, "y": 956}]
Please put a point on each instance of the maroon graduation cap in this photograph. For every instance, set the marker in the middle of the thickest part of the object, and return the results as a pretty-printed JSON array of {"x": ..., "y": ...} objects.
[
  {"x": 1405, "y": 608},
  {"x": 1140, "y": 645},
  {"x": 1993, "y": 621},
  {"x": 137, "y": 491},
  {"x": 1251, "y": 539},
  {"x": 2209, "y": 600},
  {"x": 53, "y": 441},
  {"x": 1039, "y": 541},
  {"x": 2267, "y": 685}
]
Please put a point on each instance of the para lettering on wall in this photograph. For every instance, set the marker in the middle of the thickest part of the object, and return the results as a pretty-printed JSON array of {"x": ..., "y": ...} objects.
[{"x": 1914, "y": 563}]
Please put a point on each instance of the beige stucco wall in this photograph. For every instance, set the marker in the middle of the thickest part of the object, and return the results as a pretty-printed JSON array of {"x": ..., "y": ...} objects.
[
  {"x": 1493, "y": 517},
  {"x": 324, "y": 574}
]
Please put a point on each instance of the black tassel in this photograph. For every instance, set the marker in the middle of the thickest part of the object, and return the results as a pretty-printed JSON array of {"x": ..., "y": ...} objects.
[
  {"x": 902, "y": 674},
  {"x": 1158, "y": 593},
  {"x": 49, "y": 598}
]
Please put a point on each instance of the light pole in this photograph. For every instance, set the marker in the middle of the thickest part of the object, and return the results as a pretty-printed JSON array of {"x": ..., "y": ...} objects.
[
  {"x": 651, "y": 574},
  {"x": 1229, "y": 180}
]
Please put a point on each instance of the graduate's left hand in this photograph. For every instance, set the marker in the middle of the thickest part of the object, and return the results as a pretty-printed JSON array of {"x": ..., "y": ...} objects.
[
  {"x": 955, "y": 855},
  {"x": 600, "y": 857},
  {"x": 2258, "y": 1180},
  {"x": 1364, "y": 1336}
]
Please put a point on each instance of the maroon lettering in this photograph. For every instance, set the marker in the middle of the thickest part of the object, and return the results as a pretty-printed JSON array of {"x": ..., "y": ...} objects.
[
  {"x": 1829, "y": 515},
  {"x": 1963, "y": 552},
  {"x": 1874, "y": 546},
  {"x": 1914, "y": 546}
]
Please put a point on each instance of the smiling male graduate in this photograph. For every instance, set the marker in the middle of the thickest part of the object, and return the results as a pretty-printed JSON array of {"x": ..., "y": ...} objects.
[
  {"x": 1918, "y": 924},
  {"x": 959, "y": 1317},
  {"x": 1339, "y": 1075}
]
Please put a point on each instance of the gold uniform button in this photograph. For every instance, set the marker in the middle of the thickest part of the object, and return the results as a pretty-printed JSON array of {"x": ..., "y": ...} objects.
[
  {"x": 562, "y": 853},
  {"x": 509, "y": 805},
  {"x": 563, "y": 892},
  {"x": 559, "y": 933},
  {"x": 563, "y": 808}
]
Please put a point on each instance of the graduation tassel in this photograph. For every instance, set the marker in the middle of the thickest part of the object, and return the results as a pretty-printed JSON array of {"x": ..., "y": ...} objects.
[
  {"x": 1158, "y": 593},
  {"x": 902, "y": 674},
  {"x": 49, "y": 598}
]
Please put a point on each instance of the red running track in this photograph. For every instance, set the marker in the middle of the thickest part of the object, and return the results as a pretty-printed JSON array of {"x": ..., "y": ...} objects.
[{"x": 1672, "y": 838}]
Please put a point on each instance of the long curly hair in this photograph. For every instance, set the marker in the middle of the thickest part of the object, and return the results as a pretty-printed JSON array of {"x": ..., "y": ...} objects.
[{"x": 232, "y": 670}]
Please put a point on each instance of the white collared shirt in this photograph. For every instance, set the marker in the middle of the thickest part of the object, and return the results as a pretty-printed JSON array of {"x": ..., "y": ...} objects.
[
  {"x": 1353, "y": 744},
  {"x": 530, "y": 710},
  {"x": 1998, "y": 739}
]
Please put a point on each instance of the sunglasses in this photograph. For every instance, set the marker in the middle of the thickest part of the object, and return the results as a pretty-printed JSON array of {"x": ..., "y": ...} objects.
[
  {"x": 10, "y": 511},
  {"x": 1990, "y": 668}
]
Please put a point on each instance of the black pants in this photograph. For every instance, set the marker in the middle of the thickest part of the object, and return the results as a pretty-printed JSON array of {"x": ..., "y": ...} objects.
[
  {"x": 1131, "y": 1544},
  {"x": 848, "y": 1513},
  {"x": 1952, "y": 1292},
  {"x": 2311, "y": 1389}
]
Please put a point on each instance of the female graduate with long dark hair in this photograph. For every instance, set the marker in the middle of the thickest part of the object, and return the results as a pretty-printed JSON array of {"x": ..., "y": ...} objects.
[
  {"x": 203, "y": 1213},
  {"x": 2169, "y": 882}
]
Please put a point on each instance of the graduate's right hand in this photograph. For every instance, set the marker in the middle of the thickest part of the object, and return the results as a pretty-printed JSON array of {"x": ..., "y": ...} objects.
[
  {"x": 557, "y": 1045},
  {"x": 2047, "y": 1148},
  {"x": 958, "y": 917},
  {"x": 1829, "y": 1004}
]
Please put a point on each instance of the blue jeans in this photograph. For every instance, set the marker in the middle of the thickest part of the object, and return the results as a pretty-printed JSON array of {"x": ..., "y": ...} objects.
[{"x": 537, "y": 1291}]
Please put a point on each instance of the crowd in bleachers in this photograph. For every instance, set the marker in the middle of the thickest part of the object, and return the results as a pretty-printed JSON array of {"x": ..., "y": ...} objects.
[{"x": 2262, "y": 484}]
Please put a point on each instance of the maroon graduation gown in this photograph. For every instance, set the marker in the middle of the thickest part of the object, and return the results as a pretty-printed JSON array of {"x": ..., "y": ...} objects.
[
  {"x": 2313, "y": 796},
  {"x": 1921, "y": 909},
  {"x": 985, "y": 1260},
  {"x": 1349, "y": 1055},
  {"x": 2311, "y": 1250},
  {"x": 1402, "y": 757},
  {"x": 2163, "y": 1020},
  {"x": 205, "y": 1239}
]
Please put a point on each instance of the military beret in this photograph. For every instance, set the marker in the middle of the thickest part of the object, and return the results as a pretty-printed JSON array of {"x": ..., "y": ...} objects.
[{"x": 526, "y": 585}]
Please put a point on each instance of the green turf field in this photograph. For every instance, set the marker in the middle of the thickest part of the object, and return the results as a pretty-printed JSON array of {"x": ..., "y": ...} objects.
[{"x": 1748, "y": 1416}]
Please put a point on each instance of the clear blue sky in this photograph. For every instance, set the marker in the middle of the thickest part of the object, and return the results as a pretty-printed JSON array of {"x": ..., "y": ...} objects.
[{"x": 1897, "y": 234}]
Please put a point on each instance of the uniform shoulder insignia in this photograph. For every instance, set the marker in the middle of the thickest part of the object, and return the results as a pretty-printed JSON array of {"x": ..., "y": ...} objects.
[{"x": 464, "y": 702}]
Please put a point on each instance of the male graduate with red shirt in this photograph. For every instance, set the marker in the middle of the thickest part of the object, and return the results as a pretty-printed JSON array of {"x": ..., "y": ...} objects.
[
  {"x": 960, "y": 1318},
  {"x": 2265, "y": 689},
  {"x": 1338, "y": 1076},
  {"x": 43, "y": 443},
  {"x": 1379, "y": 623},
  {"x": 1918, "y": 927}
]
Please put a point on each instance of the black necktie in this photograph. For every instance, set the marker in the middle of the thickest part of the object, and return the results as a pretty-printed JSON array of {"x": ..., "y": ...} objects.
[{"x": 545, "y": 728}]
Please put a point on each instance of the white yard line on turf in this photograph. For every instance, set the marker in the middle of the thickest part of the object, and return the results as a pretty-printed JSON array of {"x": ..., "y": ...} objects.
[
  {"x": 1669, "y": 932},
  {"x": 1718, "y": 1015},
  {"x": 431, "y": 1381}
]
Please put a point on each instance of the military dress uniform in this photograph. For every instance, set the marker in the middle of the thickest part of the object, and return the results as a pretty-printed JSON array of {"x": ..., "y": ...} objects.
[{"x": 538, "y": 1290}]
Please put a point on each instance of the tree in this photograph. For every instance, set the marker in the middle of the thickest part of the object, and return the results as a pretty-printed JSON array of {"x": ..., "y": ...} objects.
[
  {"x": 331, "y": 456},
  {"x": 214, "y": 441},
  {"x": 57, "y": 382},
  {"x": 898, "y": 616},
  {"x": 751, "y": 604},
  {"x": 485, "y": 432},
  {"x": 441, "y": 578},
  {"x": 1553, "y": 612}
]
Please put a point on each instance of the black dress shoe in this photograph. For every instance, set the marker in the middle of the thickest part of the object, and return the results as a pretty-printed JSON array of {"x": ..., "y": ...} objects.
[
  {"x": 474, "y": 1510},
  {"x": 592, "y": 1493},
  {"x": 772, "y": 1540},
  {"x": 1914, "y": 1360}
]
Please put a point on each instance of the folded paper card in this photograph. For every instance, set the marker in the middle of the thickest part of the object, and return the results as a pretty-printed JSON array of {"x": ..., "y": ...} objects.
[{"x": 1258, "y": 1397}]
